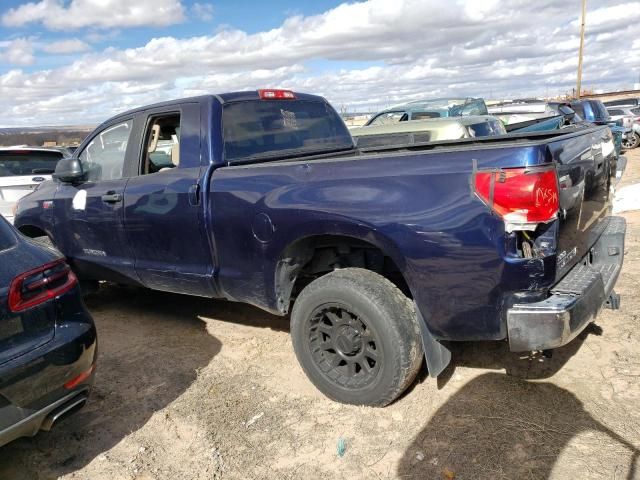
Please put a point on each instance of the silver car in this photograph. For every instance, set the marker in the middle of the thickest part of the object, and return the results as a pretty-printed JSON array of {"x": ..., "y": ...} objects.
[
  {"x": 630, "y": 117},
  {"x": 22, "y": 169}
]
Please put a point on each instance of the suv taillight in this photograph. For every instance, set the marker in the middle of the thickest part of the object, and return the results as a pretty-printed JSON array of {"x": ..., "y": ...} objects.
[
  {"x": 523, "y": 197},
  {"x": 39, "y": 285}
]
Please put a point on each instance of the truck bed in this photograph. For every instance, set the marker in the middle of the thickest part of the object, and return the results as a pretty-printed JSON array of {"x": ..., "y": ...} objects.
[{"x": 415, "y": 203}]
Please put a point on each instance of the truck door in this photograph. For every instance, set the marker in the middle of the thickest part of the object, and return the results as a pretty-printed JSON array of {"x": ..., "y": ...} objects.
[
  {"x": 89, "y": 215},
  {"x": 163, "y": 216}
]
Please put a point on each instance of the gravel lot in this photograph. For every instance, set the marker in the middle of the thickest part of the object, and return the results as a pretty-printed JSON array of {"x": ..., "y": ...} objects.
[{"x": 189, "y": 388}]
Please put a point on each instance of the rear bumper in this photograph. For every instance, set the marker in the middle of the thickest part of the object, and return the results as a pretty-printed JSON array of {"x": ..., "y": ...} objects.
[
  {"x": 41, "y": 386},
  {"x": 46, "y": 417},
  {"x": 575, "y": 301}
]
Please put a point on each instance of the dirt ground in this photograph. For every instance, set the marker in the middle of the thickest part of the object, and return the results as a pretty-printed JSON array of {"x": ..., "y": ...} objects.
[{"x": 190, "y": 388}]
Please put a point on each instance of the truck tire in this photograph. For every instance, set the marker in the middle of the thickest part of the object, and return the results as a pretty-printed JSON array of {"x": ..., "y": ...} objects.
[{"x": 357, "y": 337}]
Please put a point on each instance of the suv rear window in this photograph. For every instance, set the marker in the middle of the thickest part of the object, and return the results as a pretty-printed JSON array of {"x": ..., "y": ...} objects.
[
  {"x": 263, "y": 129},
  {"x": 24, "y": 162}
]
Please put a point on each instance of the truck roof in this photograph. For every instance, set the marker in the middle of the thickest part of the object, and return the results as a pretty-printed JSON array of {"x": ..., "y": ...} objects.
[{"x": 222, "y": 98}]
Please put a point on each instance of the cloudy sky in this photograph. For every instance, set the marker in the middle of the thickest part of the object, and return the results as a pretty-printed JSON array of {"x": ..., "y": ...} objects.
[{"x": 81, "y": 61}]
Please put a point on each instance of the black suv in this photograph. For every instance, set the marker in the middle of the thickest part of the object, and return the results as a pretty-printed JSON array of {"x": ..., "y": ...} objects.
[{"x": 48, "y": 343}]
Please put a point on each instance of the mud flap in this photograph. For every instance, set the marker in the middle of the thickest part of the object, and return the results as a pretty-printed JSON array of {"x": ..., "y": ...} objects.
[{"x": 437, "y": 355}]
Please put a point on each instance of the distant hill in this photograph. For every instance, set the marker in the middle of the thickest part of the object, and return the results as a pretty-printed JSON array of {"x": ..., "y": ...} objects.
[{"x": 64, "y": 135}]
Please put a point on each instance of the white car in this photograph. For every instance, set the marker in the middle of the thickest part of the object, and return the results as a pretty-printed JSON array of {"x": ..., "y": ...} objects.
[
  {"x": 517, "y": 112},
  {"x": 630, "y": 116},
  {"x": 423, "y": 131},
  {"x": 22, "y": 169}
]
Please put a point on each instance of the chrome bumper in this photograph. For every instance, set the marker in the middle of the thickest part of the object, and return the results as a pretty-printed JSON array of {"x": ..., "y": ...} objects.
[{"x": 575, "y": 301}]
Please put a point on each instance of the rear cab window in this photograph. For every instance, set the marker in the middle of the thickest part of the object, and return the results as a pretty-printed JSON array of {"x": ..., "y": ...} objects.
[
  {"x": 24, "y": 162},
  {"x": 272, "y": 129}
]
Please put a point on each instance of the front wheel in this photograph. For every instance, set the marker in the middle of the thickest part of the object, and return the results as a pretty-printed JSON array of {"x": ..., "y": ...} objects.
[
  {"x": 357, "y": 337},
  {"x": 632, "y": 140}
]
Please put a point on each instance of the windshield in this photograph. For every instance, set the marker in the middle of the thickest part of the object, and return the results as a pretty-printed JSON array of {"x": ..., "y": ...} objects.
[
  {"x": 600, "y": 111},
  {"x": 450, "y": 107},
  {"x": 260, "y": 129},
  {"x": 388, "y": 118},
  {"x": 17, "y": 163},
  {"x": 487, "y": 128},
  {"x": 565, "y": 110}
]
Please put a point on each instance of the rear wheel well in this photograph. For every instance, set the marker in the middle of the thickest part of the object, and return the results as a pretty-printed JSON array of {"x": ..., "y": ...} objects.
[
  {"x": 31, "y": 231},
  {"x": 313, "y": 257}
]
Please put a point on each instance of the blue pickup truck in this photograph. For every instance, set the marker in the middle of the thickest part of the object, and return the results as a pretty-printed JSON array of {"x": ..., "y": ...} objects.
[{"x": 380, "y": 256}]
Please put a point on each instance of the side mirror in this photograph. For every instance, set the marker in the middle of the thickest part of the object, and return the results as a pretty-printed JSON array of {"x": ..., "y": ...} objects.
[{"x": 69, "y": 170}]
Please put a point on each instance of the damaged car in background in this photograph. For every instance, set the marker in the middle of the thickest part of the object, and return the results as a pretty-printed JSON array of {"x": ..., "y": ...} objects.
[
  {"x": 426, "y": 109},
  {"x": 630, "y": 117},
  {"x": 433, "y": 130}
]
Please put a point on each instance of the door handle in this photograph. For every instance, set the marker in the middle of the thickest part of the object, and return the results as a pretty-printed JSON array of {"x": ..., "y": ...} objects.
[{"x": 112, "y": 197}]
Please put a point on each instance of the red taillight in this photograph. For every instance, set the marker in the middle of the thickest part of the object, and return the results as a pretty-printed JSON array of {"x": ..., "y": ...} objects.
[
  {"x": 271, "y": 94},
  {"x": 77, "y": 380},
  {"x": 40, "y": 284},
  {"x": 522, "y": 196}
]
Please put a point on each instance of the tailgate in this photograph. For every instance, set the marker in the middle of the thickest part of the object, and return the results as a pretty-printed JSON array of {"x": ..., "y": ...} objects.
[
  {"x": 586, "y": 166},
  {"x": 27, "y": 329},
  {"x": 13, "y": 189}
]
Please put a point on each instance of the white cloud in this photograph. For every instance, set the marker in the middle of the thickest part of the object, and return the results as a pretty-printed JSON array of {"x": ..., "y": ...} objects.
[
  {"x": 17, "y": 52},
  {"x": 57, "y": 15},
  {"x": 405, "y": 49},
  {"x": 72, "y": 45},
  {"x": 202, "y": 11}
]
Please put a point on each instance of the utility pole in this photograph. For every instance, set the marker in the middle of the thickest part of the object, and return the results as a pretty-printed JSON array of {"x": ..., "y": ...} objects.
[{"x": 584, "y": 14}]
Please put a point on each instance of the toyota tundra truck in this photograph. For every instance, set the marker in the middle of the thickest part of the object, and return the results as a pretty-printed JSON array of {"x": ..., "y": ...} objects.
[{"x": 381, "y": 256}]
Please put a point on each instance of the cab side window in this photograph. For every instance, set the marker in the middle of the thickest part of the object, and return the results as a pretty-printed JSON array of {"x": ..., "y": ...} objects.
[
  {"x": 103, "y": 158},
  {"x": 162, "y": 144}
]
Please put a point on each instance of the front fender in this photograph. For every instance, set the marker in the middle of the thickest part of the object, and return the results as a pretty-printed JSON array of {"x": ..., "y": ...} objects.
[{"x": 32, "y": 217}]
